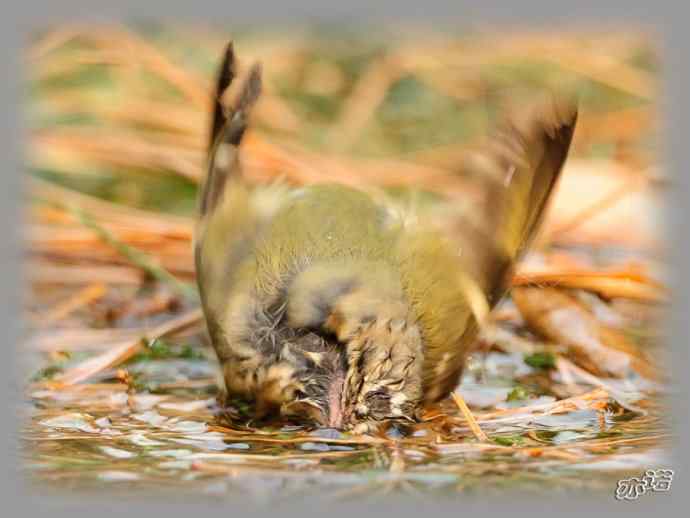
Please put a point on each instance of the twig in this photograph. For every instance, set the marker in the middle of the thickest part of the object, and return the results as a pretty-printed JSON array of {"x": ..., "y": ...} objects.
[{"x": 469, "y": 417}]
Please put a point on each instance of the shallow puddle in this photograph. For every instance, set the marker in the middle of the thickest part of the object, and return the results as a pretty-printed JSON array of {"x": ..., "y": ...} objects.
[{"x": 177, "y": 440}]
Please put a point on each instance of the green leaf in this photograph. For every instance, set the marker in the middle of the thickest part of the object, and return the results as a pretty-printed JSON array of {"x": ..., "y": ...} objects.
[
  {"x": 519, "y": 393},
  {"x": 542, "y": 360},
  {"x": 508, "y": 440}
]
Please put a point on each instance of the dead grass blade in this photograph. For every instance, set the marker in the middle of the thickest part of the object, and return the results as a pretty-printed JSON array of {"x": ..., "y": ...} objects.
[
  {"x": 114, "y": 149},
  {"x": 469, "y": 417},
  {"x": 118, "y": 354},
  {"x": 43, "y": 272},
  {"x": 610, "y": 284},
  {"x": 85, "y": 296},
  {"x": 567, "y": 366},
  {"x": 593, "y": 399},
  {"x": 166, "y": 224},
  {"x": 81, "y": 339},
  {"x": 182, "y": 126},
  {"x": 143, "y": 53}
]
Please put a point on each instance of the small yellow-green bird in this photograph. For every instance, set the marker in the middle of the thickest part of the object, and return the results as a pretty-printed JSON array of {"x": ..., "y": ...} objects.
[{"x": 329, "y": 304}]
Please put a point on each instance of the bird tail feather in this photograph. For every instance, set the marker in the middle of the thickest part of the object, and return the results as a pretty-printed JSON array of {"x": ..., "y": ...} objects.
[{"x": 228, "y": 126}]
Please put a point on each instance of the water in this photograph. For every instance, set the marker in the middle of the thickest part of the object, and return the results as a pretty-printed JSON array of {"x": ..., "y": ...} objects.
[{"x": 99, "y": 437}]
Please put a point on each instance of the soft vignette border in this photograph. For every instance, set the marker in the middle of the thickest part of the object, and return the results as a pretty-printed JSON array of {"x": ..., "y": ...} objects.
[{"x": 667, "y": 21}]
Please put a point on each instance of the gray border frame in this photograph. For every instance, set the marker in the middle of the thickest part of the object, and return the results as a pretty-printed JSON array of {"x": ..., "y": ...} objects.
[{"x": 670, "y": 25}]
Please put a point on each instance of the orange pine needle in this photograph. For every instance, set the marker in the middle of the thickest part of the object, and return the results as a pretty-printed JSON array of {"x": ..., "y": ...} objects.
[{"x": 469, "y": 417}]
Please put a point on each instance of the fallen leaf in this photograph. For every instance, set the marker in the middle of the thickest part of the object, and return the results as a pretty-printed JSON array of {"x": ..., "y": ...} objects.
[{"x": 561, "y": 318}]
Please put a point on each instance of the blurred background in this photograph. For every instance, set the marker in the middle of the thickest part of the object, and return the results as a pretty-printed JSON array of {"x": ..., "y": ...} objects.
[
  {"x": 122, "y": 113},
  {"x": 117, "y": 120}
]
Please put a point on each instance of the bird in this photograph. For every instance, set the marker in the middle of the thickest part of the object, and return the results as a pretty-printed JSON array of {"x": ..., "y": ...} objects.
[{"x": 327, "y": 304}]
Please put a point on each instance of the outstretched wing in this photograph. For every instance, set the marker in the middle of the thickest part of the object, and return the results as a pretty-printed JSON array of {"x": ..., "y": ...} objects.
[{"x": 517, "y": 169}]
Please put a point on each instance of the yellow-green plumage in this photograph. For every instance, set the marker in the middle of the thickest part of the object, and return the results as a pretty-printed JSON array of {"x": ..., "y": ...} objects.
[{"x": 328, "y": 302}]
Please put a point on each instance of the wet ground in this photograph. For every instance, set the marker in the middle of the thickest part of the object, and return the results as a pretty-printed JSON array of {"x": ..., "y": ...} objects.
[{"x": 162, "y": 432}]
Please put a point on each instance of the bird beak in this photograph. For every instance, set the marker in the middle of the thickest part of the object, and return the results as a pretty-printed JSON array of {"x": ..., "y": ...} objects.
[{"x": 335, "y": 419}]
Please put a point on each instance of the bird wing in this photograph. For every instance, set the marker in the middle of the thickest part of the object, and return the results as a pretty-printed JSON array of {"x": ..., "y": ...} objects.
[{"x": 517, "y": 169}]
